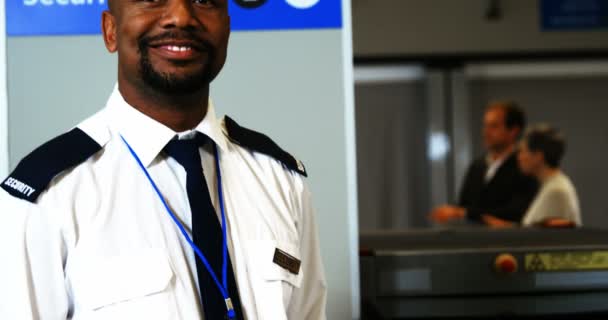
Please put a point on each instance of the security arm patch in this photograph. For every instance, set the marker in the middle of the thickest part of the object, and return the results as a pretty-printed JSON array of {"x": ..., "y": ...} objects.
[
  {"x": 263, "y": 144},
  {"x": 34, "y": 173}
]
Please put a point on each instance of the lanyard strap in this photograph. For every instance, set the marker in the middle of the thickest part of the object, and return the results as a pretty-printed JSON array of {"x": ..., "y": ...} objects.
[{"x": 223, "y": 286}]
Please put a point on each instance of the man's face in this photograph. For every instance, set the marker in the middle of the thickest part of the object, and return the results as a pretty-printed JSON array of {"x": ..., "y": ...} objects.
[
  {"x": 529, "y": 161},
  {"x": 171, "y": 46},
  {"x": 496, "y": 135}
]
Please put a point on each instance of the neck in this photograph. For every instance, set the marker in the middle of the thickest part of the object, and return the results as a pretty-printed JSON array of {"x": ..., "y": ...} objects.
[
  {"x": 546, "y": 173},
  {"x": 180, "y": 113},
  {"x": 501, "y": 153}
]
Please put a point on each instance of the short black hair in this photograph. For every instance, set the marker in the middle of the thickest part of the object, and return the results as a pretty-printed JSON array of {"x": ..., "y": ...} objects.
[
  {"x": 111, "y": 6},
  {"x": 515, "y": 117},
  {"x": 549, "y": 141}
]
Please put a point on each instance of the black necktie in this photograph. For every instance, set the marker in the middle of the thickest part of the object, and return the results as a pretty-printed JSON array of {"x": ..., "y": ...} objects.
[{"x": 206, "y": 230}]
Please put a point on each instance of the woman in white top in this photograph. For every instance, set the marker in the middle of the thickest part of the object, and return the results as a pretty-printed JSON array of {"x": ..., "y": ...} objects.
[{"x": 556, "y": 204}]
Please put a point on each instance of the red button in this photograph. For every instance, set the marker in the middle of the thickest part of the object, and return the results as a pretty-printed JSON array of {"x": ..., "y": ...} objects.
[{"x": 506, "y": 263}]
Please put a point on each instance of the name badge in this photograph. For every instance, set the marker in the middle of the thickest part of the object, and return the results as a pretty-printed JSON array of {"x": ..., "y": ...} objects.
[{"x": 287, "y": 261}]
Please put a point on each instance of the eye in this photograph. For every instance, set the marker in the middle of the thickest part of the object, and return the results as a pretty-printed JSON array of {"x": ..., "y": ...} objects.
[{"x": 203, "y": 2}]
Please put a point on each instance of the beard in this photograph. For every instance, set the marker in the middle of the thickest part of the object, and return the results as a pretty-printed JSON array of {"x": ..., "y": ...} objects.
[{"x": 172, "y": 83}]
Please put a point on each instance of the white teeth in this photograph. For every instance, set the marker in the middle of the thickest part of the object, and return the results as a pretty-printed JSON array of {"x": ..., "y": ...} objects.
[{"x": 178, "y": 48}]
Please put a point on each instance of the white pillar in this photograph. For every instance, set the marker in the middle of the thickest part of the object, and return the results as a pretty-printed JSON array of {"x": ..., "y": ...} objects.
[{"x": 351, "y": 157}]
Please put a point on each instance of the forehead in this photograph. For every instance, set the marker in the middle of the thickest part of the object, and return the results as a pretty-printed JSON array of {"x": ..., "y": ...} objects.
[
  {"x": 495, "y": 113},
  {"x": 115, "y": 5}
]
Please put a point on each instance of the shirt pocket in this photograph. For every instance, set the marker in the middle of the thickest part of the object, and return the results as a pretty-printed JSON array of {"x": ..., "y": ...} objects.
[
  {"x": 274, "y": 284},
  {"x": 125, "y": 287}
]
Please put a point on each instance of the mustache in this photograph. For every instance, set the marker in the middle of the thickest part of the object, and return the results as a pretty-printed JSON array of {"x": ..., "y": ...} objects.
[{"x": 174, "y": 35}]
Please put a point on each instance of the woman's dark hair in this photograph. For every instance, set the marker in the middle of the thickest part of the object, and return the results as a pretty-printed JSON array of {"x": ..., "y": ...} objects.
[{"x": 549, "y": 141}]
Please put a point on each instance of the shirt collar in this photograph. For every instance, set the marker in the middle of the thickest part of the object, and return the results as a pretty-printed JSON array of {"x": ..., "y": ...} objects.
[
  {"x": 499, "y": 161},
  {"x": 147, "y": 136}
]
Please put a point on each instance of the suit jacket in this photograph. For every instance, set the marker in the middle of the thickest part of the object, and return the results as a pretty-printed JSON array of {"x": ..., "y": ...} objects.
[{"x": 506, "y": 196}]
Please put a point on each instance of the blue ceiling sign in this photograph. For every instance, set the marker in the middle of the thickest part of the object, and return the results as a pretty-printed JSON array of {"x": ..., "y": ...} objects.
[
  {"x": 574, "y": 15},
  {"x": 83, "y": 17}
]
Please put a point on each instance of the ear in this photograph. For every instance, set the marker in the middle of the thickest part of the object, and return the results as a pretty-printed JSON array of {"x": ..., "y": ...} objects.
[
  {"x": 539, "y": 156},
  {"x": 108, "y": 27}
]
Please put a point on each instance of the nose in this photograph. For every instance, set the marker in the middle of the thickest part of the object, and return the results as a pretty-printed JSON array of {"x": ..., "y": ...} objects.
[{"x": 178, "y": 14}]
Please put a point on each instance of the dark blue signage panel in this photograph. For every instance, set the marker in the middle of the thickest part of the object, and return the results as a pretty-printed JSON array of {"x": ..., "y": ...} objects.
[
  {"x": 572, "y": 15},
  {"x": 81, "y": 17}
]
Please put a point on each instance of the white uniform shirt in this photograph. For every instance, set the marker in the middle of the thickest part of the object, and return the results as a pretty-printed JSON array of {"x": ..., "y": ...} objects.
[
  {"x": 556, "y": 198},
  {"x": 98, "y": 243}
]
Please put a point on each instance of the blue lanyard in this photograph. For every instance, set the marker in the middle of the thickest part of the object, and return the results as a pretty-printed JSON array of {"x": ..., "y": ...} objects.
[{"x": 223, "y": 287}]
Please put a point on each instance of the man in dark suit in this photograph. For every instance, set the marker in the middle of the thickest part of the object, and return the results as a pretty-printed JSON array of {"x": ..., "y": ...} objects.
[{"x": 495, "y": 192}]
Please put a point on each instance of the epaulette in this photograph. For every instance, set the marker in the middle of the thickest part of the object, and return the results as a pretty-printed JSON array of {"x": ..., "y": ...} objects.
[
  {"x": 261, "y": 143},
  {"x": 35, "y": 172}
]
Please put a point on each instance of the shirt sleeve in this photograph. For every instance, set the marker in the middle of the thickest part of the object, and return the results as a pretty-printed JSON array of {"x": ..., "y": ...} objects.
[
  {"x": 32, "y": 253},
  {"x": 470, "y": 192},
  {"x": 309, "y": 300},
  {"x": 465, "y": 198},
  {"x": 553, "y": 204}
]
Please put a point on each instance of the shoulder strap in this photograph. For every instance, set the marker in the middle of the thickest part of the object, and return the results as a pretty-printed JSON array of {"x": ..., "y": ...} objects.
[
  {"x": 263, "y": 144},
  {"x": 34, "y": 173}
]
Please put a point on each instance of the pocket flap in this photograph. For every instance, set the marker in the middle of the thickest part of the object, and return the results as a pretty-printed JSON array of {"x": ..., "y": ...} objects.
[{"x": 103, "y": 281}]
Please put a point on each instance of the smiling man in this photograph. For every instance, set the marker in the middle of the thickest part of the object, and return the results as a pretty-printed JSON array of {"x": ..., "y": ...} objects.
[{"x": 153, "y": 208}]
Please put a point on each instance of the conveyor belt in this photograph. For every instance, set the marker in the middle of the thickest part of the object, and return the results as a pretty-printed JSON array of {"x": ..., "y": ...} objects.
[
  {"x": 484, "y": 273},
  {"x": 480, "y": 238}
]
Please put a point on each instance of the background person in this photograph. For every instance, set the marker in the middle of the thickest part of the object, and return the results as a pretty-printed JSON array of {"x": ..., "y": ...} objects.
[
  {"x": 556, "y": 204},
  {"x": 495, "y": 192}
]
